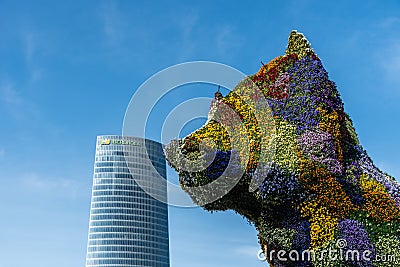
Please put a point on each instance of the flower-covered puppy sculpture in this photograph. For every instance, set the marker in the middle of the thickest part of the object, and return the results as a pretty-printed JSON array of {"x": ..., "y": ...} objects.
[{"x": 317, "y": 191}]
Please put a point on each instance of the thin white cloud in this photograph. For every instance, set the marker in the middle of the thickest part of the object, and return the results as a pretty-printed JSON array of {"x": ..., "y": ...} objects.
[
  {"x": 17, "y": 106},
  {"x": 250, "y": 251},
  {"x": 33, "y": 44},
  {"x": 112, "y": 21},
  {"x": 42, "y": 184},
  {"x": 187, "y": 25},
  {"x": 36, "y": 73},
  {"x": 2, "y": 153},
  {"x": 228, "y": 39},
  {"x": 388, "y": 54},
  {"x": 390, "y": 62},
  {"x": 390, "y": 21},
  {"x": 29, "y": 45},
  {"x": 10, "y": 95}
]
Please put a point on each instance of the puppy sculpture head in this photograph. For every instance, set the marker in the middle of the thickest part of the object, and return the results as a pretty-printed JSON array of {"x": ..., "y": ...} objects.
[{"x": 293, "y": 166}]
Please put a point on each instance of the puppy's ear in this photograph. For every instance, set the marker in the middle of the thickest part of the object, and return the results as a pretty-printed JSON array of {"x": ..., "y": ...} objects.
[{"x": 298, "y": 44}]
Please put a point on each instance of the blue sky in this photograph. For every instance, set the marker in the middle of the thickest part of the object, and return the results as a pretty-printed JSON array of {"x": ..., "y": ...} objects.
[{"x": 68, "y": 70}]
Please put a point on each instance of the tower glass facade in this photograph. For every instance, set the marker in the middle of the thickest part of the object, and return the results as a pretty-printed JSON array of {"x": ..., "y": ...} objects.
[{"x": 128, "y": 227}]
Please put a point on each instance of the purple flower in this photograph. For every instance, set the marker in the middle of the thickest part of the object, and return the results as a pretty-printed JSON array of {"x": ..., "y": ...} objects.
[
  {"x": 279, "y": 183},
  {"x": 308, "y": 89},
  {"x": 319, "y": 147},
  {"x": 357, "y": 239}
]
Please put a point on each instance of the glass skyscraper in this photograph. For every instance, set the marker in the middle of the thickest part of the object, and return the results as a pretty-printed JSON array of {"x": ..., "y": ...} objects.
[{"x": 128, "y": 227}]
